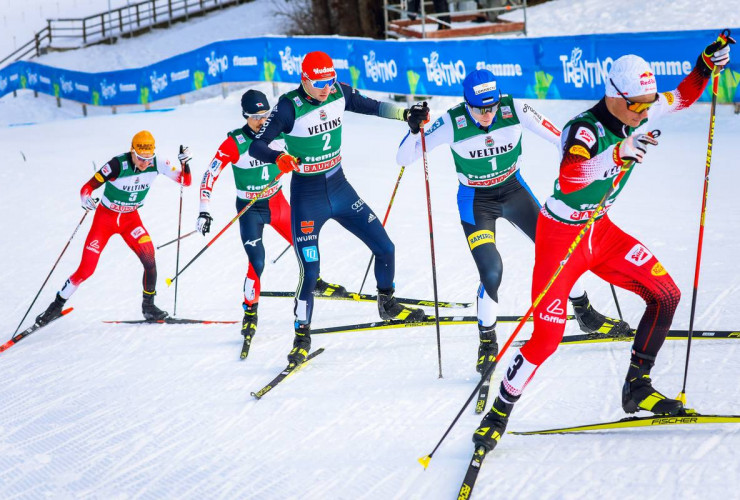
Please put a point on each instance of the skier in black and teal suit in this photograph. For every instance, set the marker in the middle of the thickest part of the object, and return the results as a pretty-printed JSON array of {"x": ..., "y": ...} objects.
[{"x": 310, "y": 119}]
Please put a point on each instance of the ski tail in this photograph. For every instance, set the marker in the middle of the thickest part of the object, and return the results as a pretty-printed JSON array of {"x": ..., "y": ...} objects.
[
  {"x": 466, "y": 489},
  {"x": 287, "y": 372}
]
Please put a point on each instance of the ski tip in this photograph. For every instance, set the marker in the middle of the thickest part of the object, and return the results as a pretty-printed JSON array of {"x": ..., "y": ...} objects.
[
  {"x": 424, "y": 461},
  {"x": 682, "y": 397},
  {"x": 243, "y": 356},
  {"x": 168, "y": 281},
  {"x": 67, "y": 311},
  {"x": 255, "y": 396}
]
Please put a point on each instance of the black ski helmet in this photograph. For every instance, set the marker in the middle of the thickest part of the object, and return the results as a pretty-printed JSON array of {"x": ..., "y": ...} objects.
[{"x": 253, "y": 102}]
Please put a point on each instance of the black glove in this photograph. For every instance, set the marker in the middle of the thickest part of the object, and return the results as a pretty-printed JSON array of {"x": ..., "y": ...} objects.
[
  {"x": 717, "y": 53},
  {"x": 203, "y": 225},
  {"x": 184, "y": 157},
  {"x": 416, "y": 116}
]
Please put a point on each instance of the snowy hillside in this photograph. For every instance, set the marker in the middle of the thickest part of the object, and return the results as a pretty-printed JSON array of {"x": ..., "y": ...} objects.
[{"x": 94, "y": 410}]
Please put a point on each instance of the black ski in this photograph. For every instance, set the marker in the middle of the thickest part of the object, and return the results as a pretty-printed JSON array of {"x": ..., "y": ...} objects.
[
  {"x": 364, "y": 297},
  {"x": 245, "y": 347},
  {"x": 480, "y": 405},
  {"x": 592, "y": 338},
  {"x": 690, "y": 417},
  {"x": 466, "y": 489},
  {"x": 28, "y": 331},
  {"x": 397, "y": 323},
  {"x": 171, "y": 321},
  {"x": 287, "y": 372}
]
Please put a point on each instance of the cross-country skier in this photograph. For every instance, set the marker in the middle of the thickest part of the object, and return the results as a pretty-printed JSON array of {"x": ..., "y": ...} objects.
[
  {"x": 484, "y": 133},
  {"x": 127, "y": 179},
  {"x": 597, "y": 144},
  {"x": 251, "y": 176},
  {"x": 310, "y": 119}
]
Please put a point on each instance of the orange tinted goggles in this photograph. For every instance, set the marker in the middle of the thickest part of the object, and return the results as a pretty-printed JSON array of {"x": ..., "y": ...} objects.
[{"x": 637, "y": 107}]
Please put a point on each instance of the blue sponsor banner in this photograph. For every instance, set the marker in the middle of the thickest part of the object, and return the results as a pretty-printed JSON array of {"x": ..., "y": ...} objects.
[{"x": 534, "y": 68}]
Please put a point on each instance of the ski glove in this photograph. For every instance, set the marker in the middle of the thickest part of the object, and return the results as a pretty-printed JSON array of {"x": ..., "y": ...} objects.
[
  {"x": 287, "y": 163},
  {"x": 203, "y": 225},
  {"x": 416, "y": 116},
  {"x": 88, "y": 202},
  {"x": 717, "y": 53},
  {"x": 184, "y": 155},
  {"x": 634, "y": 147}
]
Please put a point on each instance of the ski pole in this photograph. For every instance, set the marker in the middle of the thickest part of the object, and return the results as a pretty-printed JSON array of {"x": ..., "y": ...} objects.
[
  {"x": 282, "y": 253},
  {"x": 424, "y": 461},
  {"x": 177, "y": 239},
  {"x": 724, "y": 36},
  {"x": 236, "y": 218},
  {"x": 388, "y": 211},
  {"x": 52, "y": 270},
  {"x": 179, "y": 228},
  {"x": 616, "y": 301},
  {"x": 431, "y": 246}
]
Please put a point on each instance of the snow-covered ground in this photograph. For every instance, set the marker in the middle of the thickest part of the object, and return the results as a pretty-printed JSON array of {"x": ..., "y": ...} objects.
[{"x": 92, "y": 410}]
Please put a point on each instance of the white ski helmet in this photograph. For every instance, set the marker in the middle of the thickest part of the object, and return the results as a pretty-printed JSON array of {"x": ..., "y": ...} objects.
[{"x": 630, "y": 76}]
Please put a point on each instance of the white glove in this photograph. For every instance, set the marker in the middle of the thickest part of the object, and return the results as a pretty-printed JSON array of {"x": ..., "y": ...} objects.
[
  {"x": 88, "y": 202},
  {"x": 634, "y": 147},
  {"x": 721, "y": 57},
  {"x": 184, "y": 155},
  {"x": 203, "y": 225}
]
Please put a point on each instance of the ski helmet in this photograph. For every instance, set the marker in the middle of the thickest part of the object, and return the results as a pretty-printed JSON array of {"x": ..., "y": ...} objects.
[
  {"x": 143, "y": 143},
  {"x": 630, "y": 76},
  {"x": 254, "y": 102},
  {"x": 317, "y": 65},
  {"x": 480, "y": 89}
]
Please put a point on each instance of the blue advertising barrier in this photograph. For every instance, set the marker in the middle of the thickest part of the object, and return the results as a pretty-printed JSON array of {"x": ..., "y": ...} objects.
[{"x": 536, "y": 68}]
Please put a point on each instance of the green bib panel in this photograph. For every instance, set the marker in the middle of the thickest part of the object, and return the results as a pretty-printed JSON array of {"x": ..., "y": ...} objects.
[{"x": 316, "y": 137}]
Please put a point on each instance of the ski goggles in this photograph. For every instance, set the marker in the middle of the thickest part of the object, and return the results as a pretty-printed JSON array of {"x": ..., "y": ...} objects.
[
  {"x": 637, "y": 107},
  {"x": 258, "y": 116},
  {"x": 145, "y": 159},
  {"x": 482, "y": 110},
  {"x": 322, "y": 84}
]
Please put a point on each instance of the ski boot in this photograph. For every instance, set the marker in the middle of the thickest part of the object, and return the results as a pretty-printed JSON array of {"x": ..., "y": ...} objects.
[
  {"x": 149, "y": 310},
  {"x": 52, "y": 312},
  {"x": 488, "y": 348},
  {"x": 593, "y": 322},
  {"x": 493, "y": 425},
  {"x": 389, "y": 308},
  {"x": 301, "y": 344},
  {"x": 249, "y": 327},
  {"x": 324, "y": 289},
  {"x": 638, "y": 392}
]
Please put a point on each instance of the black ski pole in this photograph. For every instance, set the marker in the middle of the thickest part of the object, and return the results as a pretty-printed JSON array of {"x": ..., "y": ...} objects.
[
  {"x": 431, "y": 246},
  {"x": 388, "y": 211},
  {"x": 179, "y": 228},
  {"x": 616, "y": 301},
  {"x": 282, "y": 253},
  {"x": 52, "y": 270},
  {"x": 724, "y": 37}
]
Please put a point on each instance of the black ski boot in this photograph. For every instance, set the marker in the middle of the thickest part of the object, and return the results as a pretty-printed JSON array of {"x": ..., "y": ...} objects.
[
  {"x": 488, "y": 348},
  {"x": 150, "y": 311},
  {"x": 638, "y": 392},
  {"x": 52, "y": 312},
  {"x": 249, "y": 327},
  {"x": 592, "y": 321},
  {"x": 389, "y": 308},
  {"x": 324, "y": 289},
  {"x": 493, "y": 425},
  {"x": 301, "y": 344}
]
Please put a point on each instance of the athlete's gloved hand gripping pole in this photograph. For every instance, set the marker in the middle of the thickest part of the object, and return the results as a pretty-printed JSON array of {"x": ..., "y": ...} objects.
[
  {"x": 489, "y": 371},
  {"x": 715, "y": 56},
  {"x": 236, "y": 218}
]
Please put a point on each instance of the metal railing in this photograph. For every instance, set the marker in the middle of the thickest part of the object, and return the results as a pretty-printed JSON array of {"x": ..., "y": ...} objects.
[
  {"x": 399, "y": 20},
  {"x": 108, "y": 26}
]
